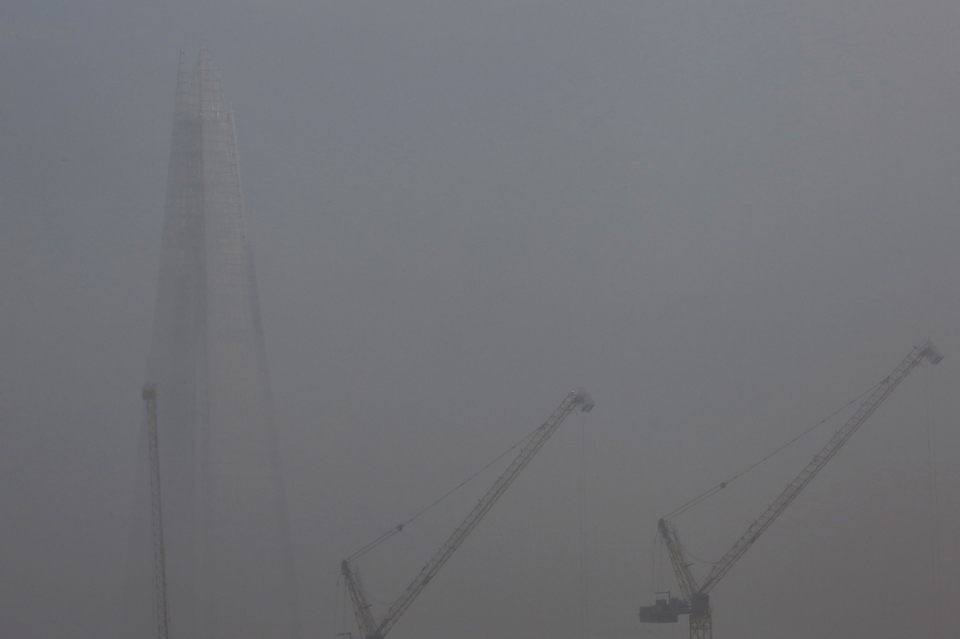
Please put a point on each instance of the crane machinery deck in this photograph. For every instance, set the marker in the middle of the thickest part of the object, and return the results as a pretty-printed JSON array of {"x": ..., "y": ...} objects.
[
  {"x": 369, "y": 627},
  {"x": 695, "y": 596}
]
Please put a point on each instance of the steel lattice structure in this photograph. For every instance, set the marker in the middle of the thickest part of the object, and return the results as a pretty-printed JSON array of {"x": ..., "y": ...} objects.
[{"x": 695, "y": 598}]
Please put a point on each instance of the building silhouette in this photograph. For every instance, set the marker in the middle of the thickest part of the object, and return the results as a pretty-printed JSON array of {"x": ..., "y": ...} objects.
[{"x": 228, "y": 557}]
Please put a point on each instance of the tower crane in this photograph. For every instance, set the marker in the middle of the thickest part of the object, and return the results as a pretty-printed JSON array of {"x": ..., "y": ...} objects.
[
  {"x": 370, "y": 628},
  {"x": 695, "y": 597}
]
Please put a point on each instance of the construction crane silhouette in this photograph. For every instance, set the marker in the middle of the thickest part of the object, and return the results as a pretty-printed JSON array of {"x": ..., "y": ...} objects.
[
  {"x": 369, "y": 627},
  {"x": 149, "y": 397},
  {"x": 695, "y": 597}
]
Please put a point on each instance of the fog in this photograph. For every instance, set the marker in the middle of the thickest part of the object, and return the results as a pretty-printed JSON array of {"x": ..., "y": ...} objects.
[{"x": 726, "y": 220}]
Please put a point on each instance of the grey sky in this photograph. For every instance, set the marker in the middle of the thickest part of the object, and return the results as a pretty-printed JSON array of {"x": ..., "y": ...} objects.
[{"x": 724, "y": 219}]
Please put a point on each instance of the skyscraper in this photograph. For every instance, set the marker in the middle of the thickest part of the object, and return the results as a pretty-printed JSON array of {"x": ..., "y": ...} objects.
[{"x": 228, "y": 555}]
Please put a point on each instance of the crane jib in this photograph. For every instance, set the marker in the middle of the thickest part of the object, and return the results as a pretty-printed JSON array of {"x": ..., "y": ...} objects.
[{"x": 369, "y": 627}]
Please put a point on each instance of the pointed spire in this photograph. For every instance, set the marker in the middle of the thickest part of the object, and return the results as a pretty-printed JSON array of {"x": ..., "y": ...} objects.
[
  {"x": 230, "y": 564},
  {"x": 211, "y": 87},
  {"x": 185, "y": 100}
]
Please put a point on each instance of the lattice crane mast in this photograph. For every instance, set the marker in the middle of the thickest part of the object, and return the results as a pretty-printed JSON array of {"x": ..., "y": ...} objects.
[
  {"x": 369, "y": 627},
  {"x": 695, "y": 598},
  {"x": 149, "y": 397}
]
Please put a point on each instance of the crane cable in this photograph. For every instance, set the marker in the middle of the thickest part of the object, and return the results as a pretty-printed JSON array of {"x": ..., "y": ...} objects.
[
  {"x": 710, "y": 492},
  {"x": 436, "y": 502}
]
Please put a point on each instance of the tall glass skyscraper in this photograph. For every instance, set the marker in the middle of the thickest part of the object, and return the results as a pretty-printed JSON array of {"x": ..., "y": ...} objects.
[{"x": 229, "y": 565}]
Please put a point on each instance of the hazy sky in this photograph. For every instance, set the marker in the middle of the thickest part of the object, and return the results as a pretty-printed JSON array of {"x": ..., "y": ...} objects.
[{"x": 725, "y": 219}]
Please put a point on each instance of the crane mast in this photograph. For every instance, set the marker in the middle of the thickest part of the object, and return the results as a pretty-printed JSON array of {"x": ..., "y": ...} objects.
[
  {"x": 696, "y": 601},
  {"x": 576, "y": 399},
  {"x": 149, "y": 396}
]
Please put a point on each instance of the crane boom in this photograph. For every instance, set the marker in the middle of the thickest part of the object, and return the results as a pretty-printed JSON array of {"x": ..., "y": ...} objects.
[
  {"x": 925, "y": 351},
  {"x": 573, "y": 400}
]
